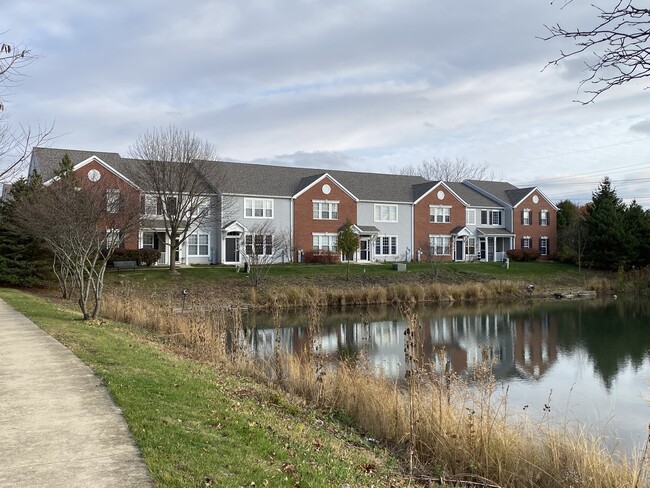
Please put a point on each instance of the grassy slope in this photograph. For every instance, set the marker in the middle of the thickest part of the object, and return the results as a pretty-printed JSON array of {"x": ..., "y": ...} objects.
[
  {"x": 223, "y": 281},
  {"x": 196, "y": 425}
]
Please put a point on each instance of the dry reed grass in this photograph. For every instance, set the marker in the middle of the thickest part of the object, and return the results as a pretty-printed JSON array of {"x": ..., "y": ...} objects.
[
  {"x": 451, "y": 428},
  {"x": 409, "y": 293}
]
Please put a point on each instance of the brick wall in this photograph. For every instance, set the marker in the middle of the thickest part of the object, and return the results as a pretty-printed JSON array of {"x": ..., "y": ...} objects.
[
  {"x": 535, "y": 230},
  {"x": 424, "y": 228},
  {"x": 304, "y": 222},
  {"x": 110, "y": 181}
]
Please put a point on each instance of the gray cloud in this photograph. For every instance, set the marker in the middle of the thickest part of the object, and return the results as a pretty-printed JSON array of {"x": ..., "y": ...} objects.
[{"x": 347, "y": 84}]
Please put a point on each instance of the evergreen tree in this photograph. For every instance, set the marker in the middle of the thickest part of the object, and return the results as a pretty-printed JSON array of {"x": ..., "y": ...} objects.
[
  {"x": 607, "y": 244},
  {"x": 637, "y": 229},
  {"x": 66, "y": 168},
  {"x": 23, "y": 261}
]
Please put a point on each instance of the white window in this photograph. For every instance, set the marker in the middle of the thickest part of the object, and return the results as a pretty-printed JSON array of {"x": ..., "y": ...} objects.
[
  {"x": 324, "y": 242},
  {"x": 543, "y": 217},
  {"x": 470, "y": 246},
  {"x": 151, "y": 205},
  {"x": 114, "y": 238},
  {"x": 171, "y": 206},
  {"x": 258, "y": 208},
  {"x": 324, "y": 210},
  {"x": 490, "y": 217},
  {"x": 525, "y": 216},
  {"x": 386, "y": 246},
  {"x": 525, "y": 242},
  {"x": 440, "y": 245},
  {"x": 385, "y": 213},
  {"x": 112, "y": 201},
  {"x": 197, "y": 245},
  {"x": 259, "y": 244},
  {"x": 543, "y": 246},
  {"x": 470, "y": 216},
  {"x": 439, "y": 214},
  {"x": 147, "y": 240}
]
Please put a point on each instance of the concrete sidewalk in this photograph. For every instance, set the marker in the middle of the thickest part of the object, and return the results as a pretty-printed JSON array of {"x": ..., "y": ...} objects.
[{"x": 58, "y": 425}]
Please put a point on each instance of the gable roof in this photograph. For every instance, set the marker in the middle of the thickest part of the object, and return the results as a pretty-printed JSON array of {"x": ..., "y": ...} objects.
[
  {"x": 253, "y": 179},
  {"x": 286, "y": 181},
  {"x": 307, "y": 183},
  {"x": 45, "y": 161},
  {"x": 502, "y": 191},
  {"x": 472, "y": 197}
]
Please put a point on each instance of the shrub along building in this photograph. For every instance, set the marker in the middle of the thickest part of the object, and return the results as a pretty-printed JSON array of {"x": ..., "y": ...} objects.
[{"x": 295, "y": 214}]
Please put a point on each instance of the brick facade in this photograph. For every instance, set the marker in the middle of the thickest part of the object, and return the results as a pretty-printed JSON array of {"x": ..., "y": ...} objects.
[
  {"x": 535, "y": 230},
  {"x": 108, "y": 180},
  {"x": 305, "y": 224},
  {"x": 438, "y": 196}
]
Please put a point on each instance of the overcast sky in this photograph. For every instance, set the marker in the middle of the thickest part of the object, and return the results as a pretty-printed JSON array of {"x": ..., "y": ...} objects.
[{"x": 356, "y": 84}]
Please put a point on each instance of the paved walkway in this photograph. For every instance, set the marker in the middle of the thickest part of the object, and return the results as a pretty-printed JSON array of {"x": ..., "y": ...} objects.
[{"x": 58, "y": 425}]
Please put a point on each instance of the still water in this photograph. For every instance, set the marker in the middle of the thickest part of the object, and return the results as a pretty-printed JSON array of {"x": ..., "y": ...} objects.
[{"x": 589, "y": 360}]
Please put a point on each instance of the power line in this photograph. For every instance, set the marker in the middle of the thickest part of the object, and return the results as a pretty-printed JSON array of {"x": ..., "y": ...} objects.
[{"x": 580, "y": 151}]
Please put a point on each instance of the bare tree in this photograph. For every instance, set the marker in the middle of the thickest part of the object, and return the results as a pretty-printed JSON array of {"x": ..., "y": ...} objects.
[
  {"x": 263, "y": 246},
  {"x": 176, "y": 168},
  {"x": 445, "y": 169},
  {"x": 82, "y": 228},
  {"x": 617, "y": 47},
  {"x": 15, "y": 143}
]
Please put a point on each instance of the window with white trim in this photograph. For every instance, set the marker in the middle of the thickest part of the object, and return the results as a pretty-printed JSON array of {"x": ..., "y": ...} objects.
[
  {"x": 543, "y": 245},
  {"x": 470, "y": 216},
  {"x": 386, "y": 246},
  {"x": 147, "y": 240},
  {"x": 114, "y": 238},
  {"x": 385, "y": 213},
  {"x": 324, "y": 242},
  {"x": 440, "y": 245},
  {"x": 198, "y": 244},
  {"x": 259, "y": 244},
  {"x": 325, "y": 210},
  {"x": 113, "y": 201},
  {"x": 526, "y": 217},
  {"x": 525, "y": 242},
  {"x": 490, "y": 217},
  {"x": 470, "y": 246},
  {"x": 151, "y": 205},
  {"x": 439, "y": 214},
  {"x": 258, "y": 208},
  {"x": 543, "y": 217}
]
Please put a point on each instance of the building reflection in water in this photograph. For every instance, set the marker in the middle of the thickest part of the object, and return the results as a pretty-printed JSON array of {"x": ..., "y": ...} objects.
[{"x": 521, "y": 344}]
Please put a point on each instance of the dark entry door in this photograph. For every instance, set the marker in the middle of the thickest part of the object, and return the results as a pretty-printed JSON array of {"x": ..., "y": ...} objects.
[
  {"x": 363, "y": 250},
  {"x": 232, "y": 251},
  {"x": 459, "y": 250}
]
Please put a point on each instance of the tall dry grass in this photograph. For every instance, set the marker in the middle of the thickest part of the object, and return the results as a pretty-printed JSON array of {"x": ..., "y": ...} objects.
[
  {"x": 448, "y": 427},
  {"x": 410, "y": 293}
]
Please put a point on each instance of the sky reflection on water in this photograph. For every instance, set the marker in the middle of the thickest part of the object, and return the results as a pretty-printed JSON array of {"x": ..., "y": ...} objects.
[{"x": 590, "y": 358}]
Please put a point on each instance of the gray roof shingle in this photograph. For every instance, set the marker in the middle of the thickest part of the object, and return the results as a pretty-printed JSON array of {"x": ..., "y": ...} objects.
[{"x": 285, "y": 181}]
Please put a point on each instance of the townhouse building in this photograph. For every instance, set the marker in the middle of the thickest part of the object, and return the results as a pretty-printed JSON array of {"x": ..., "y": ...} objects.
[{"x": 264, "y": 207}]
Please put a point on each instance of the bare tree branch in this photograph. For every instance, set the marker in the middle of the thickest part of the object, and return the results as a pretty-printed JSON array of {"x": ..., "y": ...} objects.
[
  {"x": 16, "y": 143},
  {"x": 177, "y": 168},
  {"x": 81, "y": 229},
  {"x": 445, "y": 169},
  {"x": 618, "y": 47}
]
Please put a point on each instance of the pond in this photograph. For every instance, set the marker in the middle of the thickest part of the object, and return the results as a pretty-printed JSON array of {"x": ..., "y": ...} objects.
[{"x": 588, "y": 360}]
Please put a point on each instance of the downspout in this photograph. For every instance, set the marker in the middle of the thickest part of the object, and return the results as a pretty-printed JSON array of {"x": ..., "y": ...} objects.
[
  {"x": 413, "y": 230},
  {"x": 291, "y": 226}
]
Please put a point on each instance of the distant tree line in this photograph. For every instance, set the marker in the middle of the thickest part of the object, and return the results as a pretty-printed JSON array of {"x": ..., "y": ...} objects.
[{"x": 605, "y": 233}]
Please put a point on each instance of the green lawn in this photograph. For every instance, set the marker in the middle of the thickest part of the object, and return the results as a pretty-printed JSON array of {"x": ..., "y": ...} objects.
[
  {"x": 199, "y": 426},
  {"x": 529, "y": 271}
]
